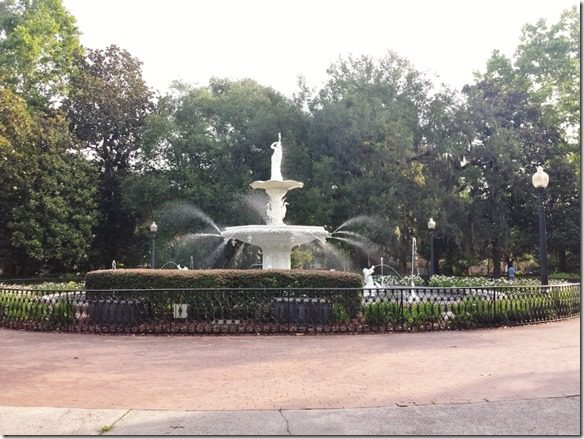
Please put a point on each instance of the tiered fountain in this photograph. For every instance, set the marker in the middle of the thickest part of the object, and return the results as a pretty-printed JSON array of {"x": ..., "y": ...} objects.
[{"x": 276, "y": 239}]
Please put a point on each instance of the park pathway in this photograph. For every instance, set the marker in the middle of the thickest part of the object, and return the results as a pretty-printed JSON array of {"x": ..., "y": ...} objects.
[{"x": 289, "y": 372}]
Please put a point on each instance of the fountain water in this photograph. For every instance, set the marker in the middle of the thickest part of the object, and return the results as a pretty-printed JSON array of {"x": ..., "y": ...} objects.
[{"x": 276, "y": 239}]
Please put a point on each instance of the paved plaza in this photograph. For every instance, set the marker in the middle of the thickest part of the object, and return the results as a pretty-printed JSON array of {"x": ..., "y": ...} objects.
[{"x": 354, "y": 377}]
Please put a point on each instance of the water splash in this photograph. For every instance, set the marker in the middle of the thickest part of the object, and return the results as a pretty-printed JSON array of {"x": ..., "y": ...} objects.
[
  {"x": 237, "y": 255},
  {"x": 361, "y": 219},
  {"x": 181, "y": 215},
  {"x": 391, "y": 268},
  {"x": 354, "y": 234},
  {"x": 256, "y": 204},
  {"x": 210, "y": 261},
  {"x": 365, "y": 244},
  {"x": 354, "y": 243},
  {"x": 190, "y": 238},
  {"x": 329, "y": 249}
]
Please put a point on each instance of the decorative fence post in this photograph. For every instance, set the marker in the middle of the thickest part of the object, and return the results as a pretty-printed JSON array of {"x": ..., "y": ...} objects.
[
  {"x": 401, "y": 307},
  {"x": 494, "y": 304}
]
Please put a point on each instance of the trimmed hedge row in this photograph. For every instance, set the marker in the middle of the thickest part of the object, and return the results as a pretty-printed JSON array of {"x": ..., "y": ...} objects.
[
  {"x": 244, "y": 304},
  {"x": 161, "y": 279}
]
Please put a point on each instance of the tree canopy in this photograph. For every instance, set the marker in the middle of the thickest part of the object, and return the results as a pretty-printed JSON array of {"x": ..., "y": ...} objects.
[{"x": 90, "y": 155}]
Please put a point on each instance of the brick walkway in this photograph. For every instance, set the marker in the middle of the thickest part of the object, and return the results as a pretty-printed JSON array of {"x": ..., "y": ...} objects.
[{"x": 288, "y": 372}]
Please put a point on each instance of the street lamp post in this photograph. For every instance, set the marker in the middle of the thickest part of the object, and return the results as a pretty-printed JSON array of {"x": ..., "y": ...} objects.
[
  {"x": 540, "y": 181},
  {"x": 153, "y": 230},
  {"x": 431, "y": 227}
]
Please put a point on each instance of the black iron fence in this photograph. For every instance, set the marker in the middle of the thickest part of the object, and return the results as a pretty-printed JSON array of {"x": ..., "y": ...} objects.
[{"x": 284, "y": 310}]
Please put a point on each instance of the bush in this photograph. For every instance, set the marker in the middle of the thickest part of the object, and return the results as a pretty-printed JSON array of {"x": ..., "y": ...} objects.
[
  {"x": 416, "y": 315},
  {"x": 245, "y": 292},
  {"x": 28, "y": 307},
  {"x": 469, "y": 282},
  {"x": 340, "y": 314},
  {"x": 162, "y": 279},
  {"x": 569, "y": 277},
  {"x": 382, "y": 313},
  {"x": 46, "y": 286}
]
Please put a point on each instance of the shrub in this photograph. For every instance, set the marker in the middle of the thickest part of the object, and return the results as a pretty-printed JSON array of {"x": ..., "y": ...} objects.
[
  {"x": 469, "y": 282},
  {"x": 246, "y": 293},
  {"x": 570, "y": 277},
  {"x": 417, "y": 315},
  {"x": 161, "y": 279},
  {"x": 28, "y": 307},
  {"x": 405, "y": 281},
  {"x": 47, "y": 286},
  {"x": 382, "y": 313},
  {"x": 340, "y": 314}
]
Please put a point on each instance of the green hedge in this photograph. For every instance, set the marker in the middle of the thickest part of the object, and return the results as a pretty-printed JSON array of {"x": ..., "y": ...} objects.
[
  {"x": 161, "y": 279},
  {"x": 252, "y": 301}
]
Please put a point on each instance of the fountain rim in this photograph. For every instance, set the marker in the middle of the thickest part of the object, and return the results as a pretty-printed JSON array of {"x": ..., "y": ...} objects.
[
  {"x": 277, "y": 184},
  {"x": 267, "y": 228}
]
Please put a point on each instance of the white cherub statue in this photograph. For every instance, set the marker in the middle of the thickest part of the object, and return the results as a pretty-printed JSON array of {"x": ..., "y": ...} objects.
[{"x": 368, "y": 277}]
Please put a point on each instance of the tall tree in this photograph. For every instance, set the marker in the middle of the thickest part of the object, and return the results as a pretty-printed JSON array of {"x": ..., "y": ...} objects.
[
  {"x": 548, "y": 56},
  {"x": 39, "y": 41},
  {"x": 371, "y": 146},
  {"x": 47, "y": 207},
  {"x": 107, "y": 107}
]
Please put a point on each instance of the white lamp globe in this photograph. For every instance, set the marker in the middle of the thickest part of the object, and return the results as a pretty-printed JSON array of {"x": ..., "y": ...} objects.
[
  {"x": 153, "y": 227},
  {"x": 540, "y": 179},
  {"x": 431, "y": 224}
]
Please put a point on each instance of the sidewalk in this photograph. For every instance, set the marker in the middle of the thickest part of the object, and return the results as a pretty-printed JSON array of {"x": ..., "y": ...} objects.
[
  {"x": 551, "y": 416},
  {"x": 300, "y": 378}
]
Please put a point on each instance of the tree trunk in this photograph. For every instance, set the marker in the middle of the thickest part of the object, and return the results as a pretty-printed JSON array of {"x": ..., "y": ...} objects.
[
  {"x": 562, "y": 265},
  {"x": 496, "y": 261}
]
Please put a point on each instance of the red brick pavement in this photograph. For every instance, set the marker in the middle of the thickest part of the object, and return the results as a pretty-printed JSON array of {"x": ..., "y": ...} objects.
[{"x": 289, "y": 372}]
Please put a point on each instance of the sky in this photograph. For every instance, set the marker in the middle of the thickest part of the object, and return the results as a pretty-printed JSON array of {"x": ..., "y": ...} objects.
[{"x": 275, "y": 41}]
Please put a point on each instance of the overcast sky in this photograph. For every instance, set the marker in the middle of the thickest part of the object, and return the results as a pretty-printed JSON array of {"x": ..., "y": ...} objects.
[{"x": 274, "y": 41}]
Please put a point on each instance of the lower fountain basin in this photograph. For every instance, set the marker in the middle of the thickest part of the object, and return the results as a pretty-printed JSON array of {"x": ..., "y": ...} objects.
[{"x": 276, "y": 241}]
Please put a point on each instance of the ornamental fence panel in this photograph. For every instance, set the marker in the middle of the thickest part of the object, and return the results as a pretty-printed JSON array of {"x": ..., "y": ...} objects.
[{"x": 284, "y": 310}]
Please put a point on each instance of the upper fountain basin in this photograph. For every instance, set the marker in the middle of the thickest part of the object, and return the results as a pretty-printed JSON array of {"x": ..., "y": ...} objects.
[{"x": 282, "y": 185}]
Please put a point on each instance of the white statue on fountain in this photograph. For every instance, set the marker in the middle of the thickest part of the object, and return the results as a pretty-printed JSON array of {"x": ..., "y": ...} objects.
[
  {"x": 368, "y": 277},
  {"x": 276, "y": 211},
  {"x": 277, "y": 159},
  {"x": 370, "y": 288}
]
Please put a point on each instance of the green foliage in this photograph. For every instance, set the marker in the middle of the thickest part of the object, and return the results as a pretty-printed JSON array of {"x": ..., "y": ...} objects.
[
  {"x": 301, "y": 258},
  {"x": 340, "y": 314},
  {"x": 16, "y": 307},
  {"x": 418, "y": 315},
  {"x": 160, "y": 279},
  {"x": 405, "y": 281},
  {"x": 564, "y": 276},
  {"x": 107, "y": 110},
  {"x": 48, "y": 210},
  {"x": 549, "y": 56},
  {"x": 377, "y": 139},
  {"x": 47, "y": 286},
  {"x": 382, "y": 313},
  {"x": 38, "y": 48},
  {"x": 229, "y": 302},
  {"x": 453, "y": 281}
]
